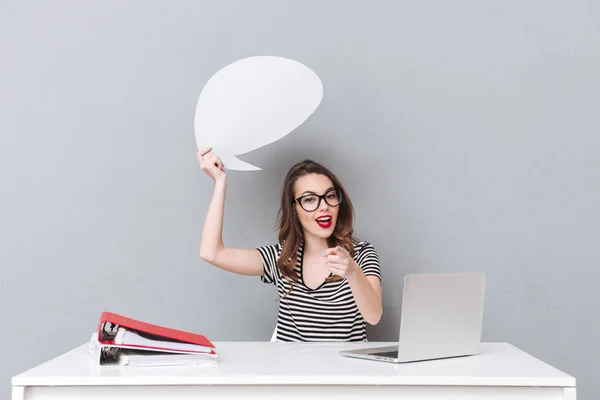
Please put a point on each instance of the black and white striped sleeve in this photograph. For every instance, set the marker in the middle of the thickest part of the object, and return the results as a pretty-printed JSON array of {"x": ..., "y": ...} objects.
[
  {"x": 368, "y": 260},
  {"x": 269, "y": 256}
]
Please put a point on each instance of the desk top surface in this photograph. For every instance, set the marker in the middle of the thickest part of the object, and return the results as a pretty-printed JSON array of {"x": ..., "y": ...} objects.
[{"x": 267, "y": 363}]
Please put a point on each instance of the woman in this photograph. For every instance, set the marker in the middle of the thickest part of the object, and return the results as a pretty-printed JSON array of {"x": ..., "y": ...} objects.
[{"x": 328, "y": 282}]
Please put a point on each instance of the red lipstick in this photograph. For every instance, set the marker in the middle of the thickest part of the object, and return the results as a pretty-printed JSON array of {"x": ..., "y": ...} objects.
[{"x": 324, "y": 221}]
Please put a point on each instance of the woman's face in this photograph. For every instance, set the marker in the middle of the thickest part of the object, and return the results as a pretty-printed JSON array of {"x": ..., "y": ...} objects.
[{"x": 320, "y": 219}]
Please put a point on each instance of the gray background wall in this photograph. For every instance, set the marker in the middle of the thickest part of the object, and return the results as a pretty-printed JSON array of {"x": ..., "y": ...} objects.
[{"x": 466, "y": 133}]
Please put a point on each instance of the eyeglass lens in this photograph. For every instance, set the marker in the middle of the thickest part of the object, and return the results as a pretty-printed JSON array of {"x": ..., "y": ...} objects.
[{"x": 311, "y": 202}]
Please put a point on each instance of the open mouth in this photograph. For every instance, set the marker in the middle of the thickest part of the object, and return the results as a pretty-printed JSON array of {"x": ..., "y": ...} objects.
[{"x": 324, "y": 221}]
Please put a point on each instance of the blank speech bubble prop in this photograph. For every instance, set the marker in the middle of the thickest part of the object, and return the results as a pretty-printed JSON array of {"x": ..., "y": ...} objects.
[{"x": 253, "y": 102}]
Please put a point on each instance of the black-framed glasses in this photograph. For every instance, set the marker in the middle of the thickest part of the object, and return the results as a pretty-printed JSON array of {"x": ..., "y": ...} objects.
[{"x": 310, "y": 202}]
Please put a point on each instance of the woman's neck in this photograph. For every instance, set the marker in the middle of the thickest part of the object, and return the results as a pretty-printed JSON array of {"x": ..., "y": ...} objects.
[{"x": 314, "y": 244}]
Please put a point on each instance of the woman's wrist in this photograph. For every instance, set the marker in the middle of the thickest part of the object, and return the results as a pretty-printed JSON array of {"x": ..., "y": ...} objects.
[{"x": 221, "y": 182}]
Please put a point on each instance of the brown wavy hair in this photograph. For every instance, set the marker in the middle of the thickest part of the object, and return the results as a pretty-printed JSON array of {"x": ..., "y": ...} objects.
[{"x": 290, "y": 230}]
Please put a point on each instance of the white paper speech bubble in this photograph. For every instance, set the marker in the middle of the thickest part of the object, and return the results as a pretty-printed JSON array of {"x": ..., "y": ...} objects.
[{"x": 253, "y": 102}]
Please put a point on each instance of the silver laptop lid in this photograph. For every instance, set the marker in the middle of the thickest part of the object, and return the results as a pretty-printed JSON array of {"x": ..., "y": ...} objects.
[{"x": 441, "y": 315}]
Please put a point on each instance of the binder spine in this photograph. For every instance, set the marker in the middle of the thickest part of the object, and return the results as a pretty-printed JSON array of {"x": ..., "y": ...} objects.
[
  {"x": 103, "y": 354},
  {"x": 95, "y": 348},
  {"x": 108, "y": 331}
]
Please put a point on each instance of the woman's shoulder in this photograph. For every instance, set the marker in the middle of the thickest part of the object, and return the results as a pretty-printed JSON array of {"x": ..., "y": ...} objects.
[
  {"x": 368, "y": 259},
  {"x": 276, "y": 247},
  {"x": 363, "y": 245}
]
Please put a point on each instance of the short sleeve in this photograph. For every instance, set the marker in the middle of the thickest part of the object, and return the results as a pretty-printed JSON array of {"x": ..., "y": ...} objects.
[
  {"x": 269, "y": 255},
  {"x": 368, "y": 260}
]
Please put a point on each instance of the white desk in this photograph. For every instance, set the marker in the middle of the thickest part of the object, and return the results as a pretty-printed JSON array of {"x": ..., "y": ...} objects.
[{"x": 265, "y": 370}]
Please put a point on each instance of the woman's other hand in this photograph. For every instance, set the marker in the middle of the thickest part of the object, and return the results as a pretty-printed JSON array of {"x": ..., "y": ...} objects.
[{"x": 211, "y": 164}]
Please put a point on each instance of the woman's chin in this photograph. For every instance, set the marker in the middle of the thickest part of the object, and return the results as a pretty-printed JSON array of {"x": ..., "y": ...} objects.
[{"x": 324, "y": 233}]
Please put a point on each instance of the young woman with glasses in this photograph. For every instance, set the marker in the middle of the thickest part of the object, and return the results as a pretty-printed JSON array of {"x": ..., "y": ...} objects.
[{"x": 329, "y": 283}]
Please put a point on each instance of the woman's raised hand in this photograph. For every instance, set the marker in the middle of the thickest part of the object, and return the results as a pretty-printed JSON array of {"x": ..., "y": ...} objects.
[{"x": 211, "y": 164}]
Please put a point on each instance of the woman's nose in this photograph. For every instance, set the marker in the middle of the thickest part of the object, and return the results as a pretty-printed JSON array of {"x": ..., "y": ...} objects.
[{"x": 323, "y": 206}]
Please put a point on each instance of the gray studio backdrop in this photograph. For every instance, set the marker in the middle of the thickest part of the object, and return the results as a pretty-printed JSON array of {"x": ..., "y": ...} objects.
[{"x": 466, "y": 133}]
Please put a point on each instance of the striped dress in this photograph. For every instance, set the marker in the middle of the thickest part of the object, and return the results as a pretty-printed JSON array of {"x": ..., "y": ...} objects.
[{"x": 327, "y": 313}]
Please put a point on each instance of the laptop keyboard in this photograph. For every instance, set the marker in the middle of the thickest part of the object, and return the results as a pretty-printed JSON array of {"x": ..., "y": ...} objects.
[{"x": 390, "y": 354}]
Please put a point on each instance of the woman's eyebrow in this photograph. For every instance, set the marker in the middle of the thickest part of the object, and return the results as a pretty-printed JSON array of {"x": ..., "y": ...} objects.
[{"x": 311, "y": 192}]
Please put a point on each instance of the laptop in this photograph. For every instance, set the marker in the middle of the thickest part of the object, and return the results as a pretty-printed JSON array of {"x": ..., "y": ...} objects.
[{"x": 441, "y": 318}]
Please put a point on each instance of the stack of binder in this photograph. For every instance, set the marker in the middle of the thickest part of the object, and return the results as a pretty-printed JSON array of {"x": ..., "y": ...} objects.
[{"x": 120, "y": 341}]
